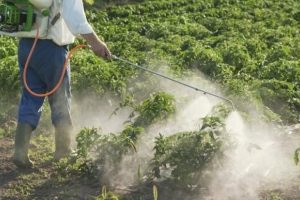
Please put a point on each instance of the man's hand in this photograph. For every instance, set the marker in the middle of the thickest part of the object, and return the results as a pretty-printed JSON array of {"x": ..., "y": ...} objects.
[
  {"x": 97, "y": 46},
  {"x": 100, "y": 49}
]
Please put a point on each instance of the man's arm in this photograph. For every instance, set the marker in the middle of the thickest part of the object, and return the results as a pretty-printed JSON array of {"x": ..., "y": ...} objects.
[
  {"x": 75, "y": 18},
  {"x": 98, "y": 47}
]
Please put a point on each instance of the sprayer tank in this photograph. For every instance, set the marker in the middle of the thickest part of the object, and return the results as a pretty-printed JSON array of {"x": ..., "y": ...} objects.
[
  {"x": 41, "y": 4},
  {"x": 41, "y": 20}
]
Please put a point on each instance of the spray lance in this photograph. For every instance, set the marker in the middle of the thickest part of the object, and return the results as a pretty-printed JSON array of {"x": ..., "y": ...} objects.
[{"x": 166, "y": 77}]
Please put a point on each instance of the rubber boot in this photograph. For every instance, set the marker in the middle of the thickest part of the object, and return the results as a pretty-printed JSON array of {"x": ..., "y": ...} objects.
[
  {"x": 62, "y": 143},
  {"x": 22, "y": 139}
]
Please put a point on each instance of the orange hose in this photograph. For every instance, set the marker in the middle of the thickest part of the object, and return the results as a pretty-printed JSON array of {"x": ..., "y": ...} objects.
[{"x": 62, "y": 74}]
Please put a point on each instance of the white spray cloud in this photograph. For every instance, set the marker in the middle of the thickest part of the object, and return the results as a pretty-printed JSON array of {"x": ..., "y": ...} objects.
[
  {"x": 87, "y": 113},
  {"x": 197, "y": 105},
  {"x": 247, "y": 166},
  {"x": 186, "y": 120}
]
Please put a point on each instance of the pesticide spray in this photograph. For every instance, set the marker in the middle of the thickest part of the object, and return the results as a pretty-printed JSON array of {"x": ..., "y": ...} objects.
[{"x": 259, "y": 157}]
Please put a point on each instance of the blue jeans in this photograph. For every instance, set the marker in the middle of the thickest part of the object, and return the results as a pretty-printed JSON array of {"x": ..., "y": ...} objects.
[{"x": 42, "y": 75}]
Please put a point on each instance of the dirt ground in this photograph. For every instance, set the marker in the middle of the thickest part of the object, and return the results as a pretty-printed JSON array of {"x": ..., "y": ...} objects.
[{"x": 42, "y": 182}]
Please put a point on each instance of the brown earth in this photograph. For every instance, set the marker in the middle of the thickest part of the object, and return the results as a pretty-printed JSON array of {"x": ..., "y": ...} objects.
[{"x": 47, "y": 180}]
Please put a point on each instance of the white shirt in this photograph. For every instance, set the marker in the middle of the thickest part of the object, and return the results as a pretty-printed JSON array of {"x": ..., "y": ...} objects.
[
  {"x": 75, "y": 18},
  {"x": 72, "y": 22}
]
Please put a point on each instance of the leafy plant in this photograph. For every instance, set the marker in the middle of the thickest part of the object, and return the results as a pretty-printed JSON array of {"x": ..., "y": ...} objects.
[
  {"x": 107, "y": 195},
  {"x": 97, "y": 149},
  {"x": 188, "y": 155},
  {"x": 109, "y": 146},
  {"x": 159, "y": 106},
  {"x": 296, "y": 156}
]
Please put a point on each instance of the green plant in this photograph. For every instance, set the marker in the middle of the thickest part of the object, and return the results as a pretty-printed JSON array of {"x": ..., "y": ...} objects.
[
  {"x": 296, "y": 156},
  {"x": 107, "y": 195},
  {"x": 188, "y": 154},
  {"x": 159, "y": 106},
  {"x": 94, "y": 149}
]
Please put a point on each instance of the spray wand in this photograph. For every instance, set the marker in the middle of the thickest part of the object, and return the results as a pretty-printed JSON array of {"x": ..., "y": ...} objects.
[{"x": 153, "y": 72}]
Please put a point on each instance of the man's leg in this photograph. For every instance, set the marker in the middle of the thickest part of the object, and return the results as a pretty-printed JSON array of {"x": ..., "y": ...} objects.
[
  {"x": 28, "y": 118},
  {"x": 61, "y": 119}
]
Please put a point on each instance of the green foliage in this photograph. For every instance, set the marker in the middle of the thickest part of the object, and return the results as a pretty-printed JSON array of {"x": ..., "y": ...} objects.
[
  {"x": 107, "y": 147},
  {"x": 159, "y": 106},
  {"x": 282, "y": 96},
  {"x": 92, "y": 76},
  {"x": 107, "y": 195},
  {"x": 91, "y": 2},
  {"x": 155, "y": 192},
  {"x": 6, "y": 131},
  {"x": 10, "y": 85},
  {"x": 86, "y": 139},
  {"x": 9, "y": 76},
  {"x": 187, "y": 155},
  {"x": 296, "y": 156}
]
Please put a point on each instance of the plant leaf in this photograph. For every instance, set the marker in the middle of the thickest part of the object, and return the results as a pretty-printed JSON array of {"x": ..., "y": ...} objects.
[{"x": 296, "y": 156}]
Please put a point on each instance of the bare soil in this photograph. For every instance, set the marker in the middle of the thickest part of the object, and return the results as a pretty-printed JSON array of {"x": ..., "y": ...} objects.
[{"x": 43, "y": 181}]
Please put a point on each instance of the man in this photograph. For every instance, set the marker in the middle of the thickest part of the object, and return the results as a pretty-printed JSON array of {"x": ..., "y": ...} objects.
[{"x": 67, "y": 20}]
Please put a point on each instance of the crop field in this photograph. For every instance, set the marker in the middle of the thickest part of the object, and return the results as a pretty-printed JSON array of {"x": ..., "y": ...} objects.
[{"x": 221, "y": 123}]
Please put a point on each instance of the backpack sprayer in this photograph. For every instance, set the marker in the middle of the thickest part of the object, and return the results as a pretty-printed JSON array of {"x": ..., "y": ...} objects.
[{"x": 17, "y": 17}]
